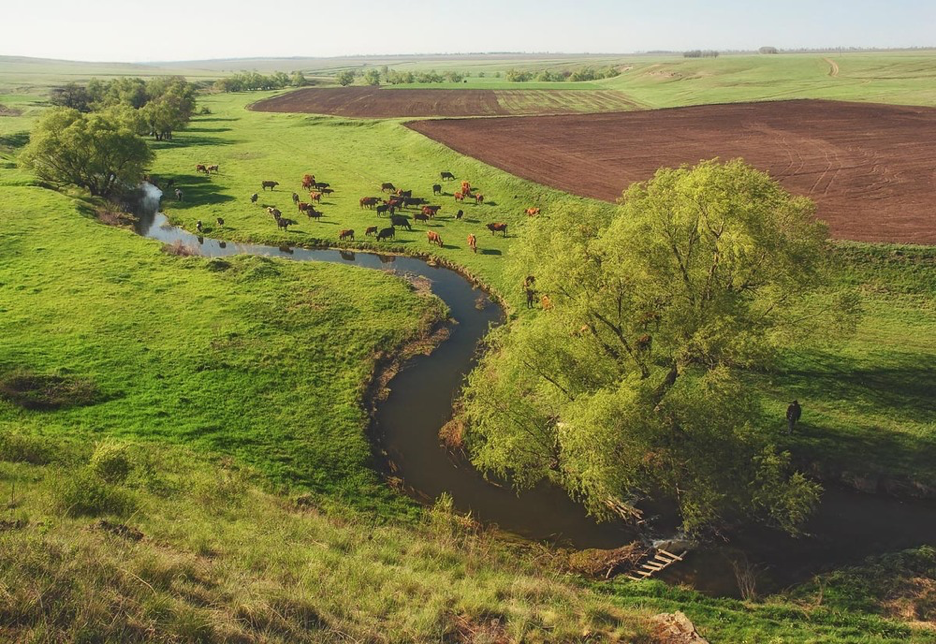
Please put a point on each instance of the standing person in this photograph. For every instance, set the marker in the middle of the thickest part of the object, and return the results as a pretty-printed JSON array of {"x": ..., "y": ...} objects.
[
  {"x": 528, "y": 282},
  {"x": 793, "y": 413}
]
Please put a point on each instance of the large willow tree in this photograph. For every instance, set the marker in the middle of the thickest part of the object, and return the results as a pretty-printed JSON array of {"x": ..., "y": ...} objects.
[{"x": 632, "y": 384}]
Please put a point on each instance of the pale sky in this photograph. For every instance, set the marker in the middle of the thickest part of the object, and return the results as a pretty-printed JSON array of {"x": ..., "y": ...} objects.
[{"x": 169, "y": 30}]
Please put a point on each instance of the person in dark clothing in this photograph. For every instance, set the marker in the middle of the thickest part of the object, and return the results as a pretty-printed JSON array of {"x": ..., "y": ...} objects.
[{"x": 793, "y": 413}]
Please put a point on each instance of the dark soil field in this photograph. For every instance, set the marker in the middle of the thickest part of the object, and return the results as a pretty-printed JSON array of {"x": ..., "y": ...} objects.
[
  {"x": 870, "y": 168},
  {"x": 372, "y": 102}
]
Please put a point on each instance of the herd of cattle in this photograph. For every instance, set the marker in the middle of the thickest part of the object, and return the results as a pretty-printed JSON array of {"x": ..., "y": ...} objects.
[{"x": 394, "y": 204}]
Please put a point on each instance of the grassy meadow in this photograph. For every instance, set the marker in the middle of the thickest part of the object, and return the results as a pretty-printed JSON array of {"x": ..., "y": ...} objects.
[{"x": 217, "y": 406}]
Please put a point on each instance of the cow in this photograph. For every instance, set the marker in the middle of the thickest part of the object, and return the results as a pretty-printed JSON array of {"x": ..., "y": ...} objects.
[
  {"x": 387, "y": 187},
  {"x": 313, "y": 213},
  {"x": 394, "y": 202},
  {"x": 346, "y": 234},
  {"x": 434, "y": 238},
  {"x": 532, "y": 212},
  {"x": 273, "y": 211},
  {"x": 497, "y": 227},
  {"x": 382, "y": 208},
  {"x": 386, "y": 233},
  {"x": 201, "y": 167},
  {"x": 401, "y": 221},
  {"x": 254, "y": 197},
  {"x": 371, "y": 230},
  {"x": 303, "y": 206},
  {"x": 447, "y": 175},
  {"x": 269, "y": 184},
  {"x": 316, "y": 197},
  {"x": 368, "y": 202},
  {"x": 319, "y": 185},
  {"x": 282, "y": 222},
  {"x": 479, "y": 199},
  {"x": 213, "y": 168},
  {"x": 466, "y": 187},
  {"x": 327, "y": 191},
  {"x": 295, "y": 198},
  {"x": 178, "y": 195},
  {"x": 307, "y": 181},
  {"x": 413, "y": 201},
  {"x": 473, "y": 243},
  {"x": 220, "y": 222},
  {"x": 436, "y": 189},
  {"x": 198, "y": 225},
  {"x": 431, "y": 210},
  {"x": 459, "y": 214},
  {"x": 459, "y": 196},
  {"x": 421, "y": 217},
  {"x": 404, "y": 193}
]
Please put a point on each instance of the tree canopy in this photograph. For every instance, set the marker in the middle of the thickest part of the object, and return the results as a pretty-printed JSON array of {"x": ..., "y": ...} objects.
[
  {"x": 632, "y": 383},
  {"x": 100, "y": 151}
]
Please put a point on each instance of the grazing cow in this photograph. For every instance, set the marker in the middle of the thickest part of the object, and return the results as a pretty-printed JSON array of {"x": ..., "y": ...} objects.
[
  {"x": 369, "y": 202},
  {"x": 387, "y": 187},
  {"x": 386, "y": 233},
  {"x": 308, "y": 181},
  {"x": 473, "y": 243},
  {"x": 303, "y": 206},
  {"x": 327, "y": 191},
  {"x": 401, "y": 221},
  {"x": 313, "y": 213},
  {"x": 459, "y": 214},
  {"x": 404, "y": 193},
  {"x": 282, "y": 222},
  {"x": 319, "y": 185},
  {"x": 213, "y": 168},
  {"x": 198, "y": 225},
  {"x": 466, "y": 187},
  {"x": 421, "y": 217},
  {"x": 413, "y": 201},
  {"x": 273, "y": 211},
  {"x": 459, "y": 196},
  {"x": 447, "y": 175},
  {"x": 346, "y": 234},
  {"x": 497, "y": 227},
  {"x": 269, "y": 184},
  {"x": 436, "y": 189},
  {"x": 201, "y": 168},
  {"x": 254, "y": 197},
  {"x": 371, "y": 230},
  {"x": 382, "y": 208},
  {"x": 220, "y": 222},
  {"x": 434, "y": 238},
  {"x": 431, "y": 210},
  {"x": 479, "y": 199},
  {"x": 295, "y": 198},
  {"x": 316, "y": 197},
  {"x": 532, "y": 212},
  {"x": 394, "y": 202},
  {"x": 178, "y": 195}
]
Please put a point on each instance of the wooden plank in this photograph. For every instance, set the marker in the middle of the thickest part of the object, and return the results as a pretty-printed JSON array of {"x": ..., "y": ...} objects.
[
  {"x": 663, "y": 560},
  {"x": 632, "y": 578},
  {"x": 670, "y": 554},
  {"x": 644, "y": 573},
  {"x": 653, "y": 566}
]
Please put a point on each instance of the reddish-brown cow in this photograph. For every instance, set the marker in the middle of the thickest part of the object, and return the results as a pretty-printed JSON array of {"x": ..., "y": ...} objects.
[{"x": 434, "y": 238}]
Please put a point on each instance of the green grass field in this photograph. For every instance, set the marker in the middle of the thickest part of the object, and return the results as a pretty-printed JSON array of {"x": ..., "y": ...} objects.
[{"x": 237, "y": 385}]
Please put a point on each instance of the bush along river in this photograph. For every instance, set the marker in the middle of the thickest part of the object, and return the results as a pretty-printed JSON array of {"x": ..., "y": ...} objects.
[{"x": 848, "y": 526}]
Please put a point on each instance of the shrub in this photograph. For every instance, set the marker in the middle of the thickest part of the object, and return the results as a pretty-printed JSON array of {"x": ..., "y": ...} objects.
[
  {"x": 112, "y": 462},
  {"x": 40, "y": 391},
  {"x": 22, "y": 448},
  {"x": 86, "y": 494}
]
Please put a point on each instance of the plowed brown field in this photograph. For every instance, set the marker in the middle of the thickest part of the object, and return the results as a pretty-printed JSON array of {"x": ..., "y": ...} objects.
[
  {"x": 372, "y": 102},
  {"x": 870, "y": 168}
]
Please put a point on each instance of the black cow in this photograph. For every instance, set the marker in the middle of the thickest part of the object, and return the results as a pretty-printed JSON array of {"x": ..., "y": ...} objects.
[
  {"x": 447, "y": 175},
  {"x": 386, "y": 233},
  {"x": 401, "y": 221},
  {"x": 382, "y": 208},
  {"x": 436, "y": 189}
]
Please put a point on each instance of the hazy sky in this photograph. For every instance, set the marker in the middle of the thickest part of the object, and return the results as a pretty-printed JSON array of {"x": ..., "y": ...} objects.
[{"x": 159, "y": 30}]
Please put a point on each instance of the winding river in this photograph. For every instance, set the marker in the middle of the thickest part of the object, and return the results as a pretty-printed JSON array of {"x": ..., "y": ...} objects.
[{"x": 848, "y": 526}]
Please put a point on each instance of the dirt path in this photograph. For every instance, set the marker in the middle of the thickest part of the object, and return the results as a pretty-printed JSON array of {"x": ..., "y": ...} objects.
[
  {"x": 834, "y": 68},
  {"x": 869, "y": 168}
]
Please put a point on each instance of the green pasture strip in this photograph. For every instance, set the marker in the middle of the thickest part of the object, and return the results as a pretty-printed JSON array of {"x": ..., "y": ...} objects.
[{"x": 265, "y": 360}]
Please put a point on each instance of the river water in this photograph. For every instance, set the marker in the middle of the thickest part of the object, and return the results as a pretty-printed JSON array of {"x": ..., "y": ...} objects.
[{"x": 848, "y": 526}]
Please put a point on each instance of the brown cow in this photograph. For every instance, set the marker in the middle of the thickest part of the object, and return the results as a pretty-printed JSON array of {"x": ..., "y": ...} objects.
[
  {"x": 269, "y": 184},
  {"x": 459, "y": 196},
  {"x": 473, "y": 243},
  {"x": 532, "y": 212},
  {"x": 316, "y": 197},
  {"x": 201, "y": 167},
  {"x": 465, "y": 187},
  {"x": 307, "y": 181},
  {"x": 371, "y": 230},
  {"x": 431, "y": 210},
  {"x": 303, "y": 206},
  {"x": 212, "y": 168},
  {"x": 385, "y": 187},
  {"x": 346, "y": 234},
  {"x": 369, "y": 202},
  {"x": 434, "y": 238},
  {"x": 479, "y": 199},
  {"x": 497, "y": 227}
]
